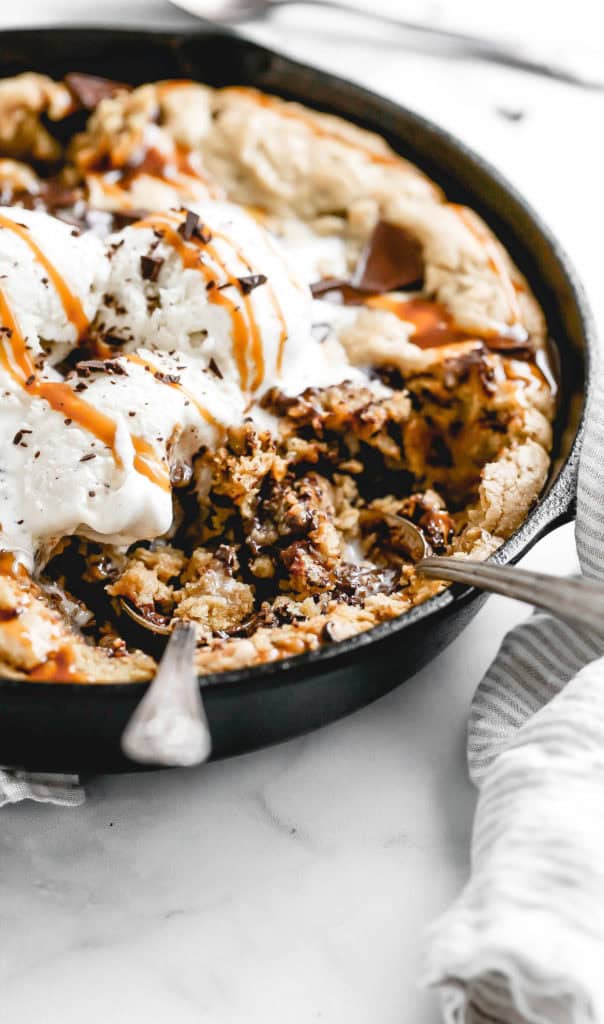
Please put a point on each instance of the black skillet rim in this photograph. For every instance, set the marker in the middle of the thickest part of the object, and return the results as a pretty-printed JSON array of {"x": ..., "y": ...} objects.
[{"x": 554, "y": 507}]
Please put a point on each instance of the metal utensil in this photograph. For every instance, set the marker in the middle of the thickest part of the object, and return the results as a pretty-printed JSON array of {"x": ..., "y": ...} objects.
[
  {"x": 580, "y": 602},
  {"x": 145, "y": 623},
  {"x": 427, "y": 37},
  {"x": 169, "y": 726}
]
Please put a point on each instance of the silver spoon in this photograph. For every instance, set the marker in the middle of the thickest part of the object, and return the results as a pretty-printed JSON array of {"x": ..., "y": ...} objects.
[
  {"x": 428, "y": 37},
  {"x": 579, "y": 602},
  {"x": 169, "y": 726}
]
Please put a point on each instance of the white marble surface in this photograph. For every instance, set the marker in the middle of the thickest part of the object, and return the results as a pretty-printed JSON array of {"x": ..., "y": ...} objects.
[{"x": 294, "y": 885}]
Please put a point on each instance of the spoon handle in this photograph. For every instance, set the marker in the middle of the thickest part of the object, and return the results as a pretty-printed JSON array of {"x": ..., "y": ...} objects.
[
  {"x": 500, "y": 52},
  {"x": 169, "y": 726},
  {"x": 580, "y": 601}
]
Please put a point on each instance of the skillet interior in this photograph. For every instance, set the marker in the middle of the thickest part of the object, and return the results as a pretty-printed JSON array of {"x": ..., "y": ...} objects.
[{"x": 66, "y": 726}]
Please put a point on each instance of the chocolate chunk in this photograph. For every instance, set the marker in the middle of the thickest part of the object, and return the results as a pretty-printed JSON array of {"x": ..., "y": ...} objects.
[
  {"x": 89, "y": 90},
  {"x": 391, "y": 259},
  {"x": 250, "y": 282},
  {"x": 187, "y": 228},
  {"x": 326, "y": 285},
  {"x": 191, "y": 227},
  {"x": 150, "y": 267},
  {"x": 214, "y": 368}
]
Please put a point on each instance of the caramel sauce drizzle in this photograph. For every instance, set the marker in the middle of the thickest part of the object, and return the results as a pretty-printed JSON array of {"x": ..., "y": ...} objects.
[
  {"x": 111, "y": 189},
  {"x": 74, "y": 310},
  {"x": 273, "y": 103},
  {"x": 132, "y": 357},
  {"x": 176, "y": 170},
  {"x": 59, "y": 665},
  {"x": 58, "y": 668},
  {"x": 258, "y": 351},
  {"x": 434, "y": 325},
  {"x": 241, "y": 310},
  {"x": 17, "y": 362},
  {"x": 9, "y": 565}
]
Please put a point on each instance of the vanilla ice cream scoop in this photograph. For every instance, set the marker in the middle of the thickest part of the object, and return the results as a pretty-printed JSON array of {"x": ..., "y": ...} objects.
[
  {"x": 213, "y": 283},
  {"x": 194, "y": 316},
  {"x": 93, "y": 452},
  {"x": 51, "y": 277}
]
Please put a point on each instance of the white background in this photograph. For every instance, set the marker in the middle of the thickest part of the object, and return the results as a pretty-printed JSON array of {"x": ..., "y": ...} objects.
[{"x": 295, "y": 885}]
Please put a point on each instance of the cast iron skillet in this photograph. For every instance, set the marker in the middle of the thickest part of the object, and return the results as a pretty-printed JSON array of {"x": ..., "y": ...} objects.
[{"x": 77, "y": 727}]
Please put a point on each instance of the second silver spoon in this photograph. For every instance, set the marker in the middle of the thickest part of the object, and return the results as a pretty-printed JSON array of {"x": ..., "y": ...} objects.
[
  {"x": 578, "y": 601},
  {"x": 169, "y": 726}
]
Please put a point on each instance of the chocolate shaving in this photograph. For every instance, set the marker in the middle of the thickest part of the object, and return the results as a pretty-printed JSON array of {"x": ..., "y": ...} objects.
[
  {"x": 150, "y": 267},
  {"x": 89, "y": 90},
  {"x": 167, "y": 378},
  {"x": 19, "y": 435},
  {"x": 87, "y": 458},
  {"x": 88, "y": 366},
  {"x": 214, "y": 368},
  {"x": 320, "y": 332},
  {"x": 251, "y": 281},
  {"x": 392, "y": 259}
]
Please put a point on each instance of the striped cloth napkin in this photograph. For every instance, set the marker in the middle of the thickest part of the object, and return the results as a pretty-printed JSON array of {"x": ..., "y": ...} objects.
[{"x": 524, "y": 942}]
